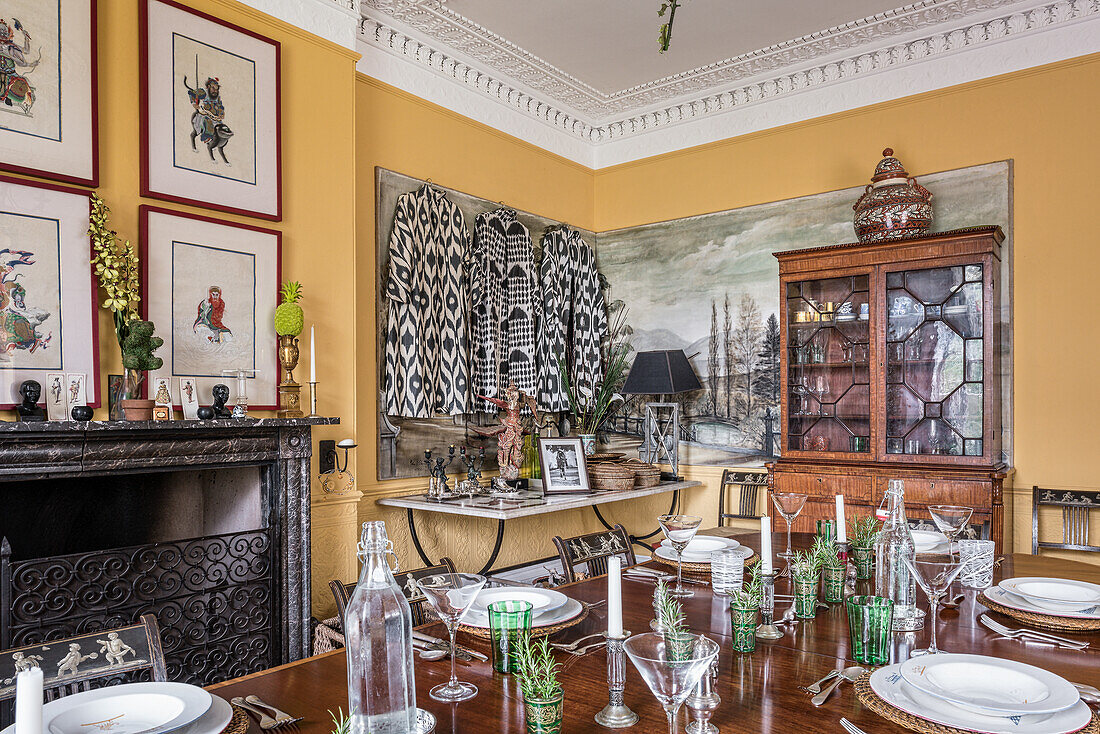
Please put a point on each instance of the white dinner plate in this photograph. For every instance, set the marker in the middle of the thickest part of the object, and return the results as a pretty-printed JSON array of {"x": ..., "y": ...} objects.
[
  {"x": 149, "y": 708},
  {"x": 988, "y": 685},
  {"x": 888, "y": 685},
  {"x": 542, "y": 600},
  {"x": 564, "y": 613},
  {"x": 704, "y": 546},
  {"x": 1054, "y": 595},
  {"x": 214, "y": 721},
  {"x": 669, "y": 554},
  {"x": 999, "y": 595}
]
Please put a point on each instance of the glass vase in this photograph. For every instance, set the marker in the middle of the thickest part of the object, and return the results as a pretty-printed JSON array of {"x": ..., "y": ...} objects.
[
  {"x": 864, "y": 558},
  {"x": 832, "y": 584},
  {"x": 743, "y": 623},
  {"x": 679, "y": 646},
  {"x": 544, "y": 715},
  {"x": 805, "y": 596}
]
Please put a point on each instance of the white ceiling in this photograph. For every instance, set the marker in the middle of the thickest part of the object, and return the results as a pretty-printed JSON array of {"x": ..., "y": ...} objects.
[{"x": 611, "y": 45}]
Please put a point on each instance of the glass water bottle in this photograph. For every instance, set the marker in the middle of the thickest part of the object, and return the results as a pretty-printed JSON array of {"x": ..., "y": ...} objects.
[
  {"x": 892, "y": 577},
  {"x": 378, "y": 637}
]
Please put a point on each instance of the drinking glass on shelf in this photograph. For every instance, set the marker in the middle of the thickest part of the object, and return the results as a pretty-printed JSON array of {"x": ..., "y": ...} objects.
[
  {"x": 727, "y": 571},
  {"x": 450, "y": 595},
  {"x": 789, "y": 505},
  {"x": 680, "y": 529},
  {"x": 670, "y": 680},
  {"x": 951, "y": 520},
  {"x": 934, "y": 574}
]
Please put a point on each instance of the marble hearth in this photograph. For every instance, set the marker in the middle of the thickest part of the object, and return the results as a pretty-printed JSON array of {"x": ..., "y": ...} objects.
[{"x": 204, "y": 523}]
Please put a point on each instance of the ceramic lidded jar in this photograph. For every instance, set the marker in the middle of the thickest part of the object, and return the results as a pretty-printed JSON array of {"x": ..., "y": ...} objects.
[{"x": 894, "y": 206}]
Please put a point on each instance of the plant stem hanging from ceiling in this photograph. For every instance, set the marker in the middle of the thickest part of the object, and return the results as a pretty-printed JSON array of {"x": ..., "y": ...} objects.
[{"x": 665, "y": 37}]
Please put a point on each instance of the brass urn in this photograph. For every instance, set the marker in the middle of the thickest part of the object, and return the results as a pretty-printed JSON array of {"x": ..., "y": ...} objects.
[{"x": 289, "y": 390}]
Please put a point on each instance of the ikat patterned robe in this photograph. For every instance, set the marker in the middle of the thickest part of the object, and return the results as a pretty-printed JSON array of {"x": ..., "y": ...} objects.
[
  {"x": 504, "y": 308},
  {"x": 574, "y": 316},
  {"x": 427, "y": 297}
]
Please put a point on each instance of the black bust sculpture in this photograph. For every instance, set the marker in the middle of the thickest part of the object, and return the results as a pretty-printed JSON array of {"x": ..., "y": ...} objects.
[
  {"x": 221, "y": 397},
  {"x": 29, "y": 410}
]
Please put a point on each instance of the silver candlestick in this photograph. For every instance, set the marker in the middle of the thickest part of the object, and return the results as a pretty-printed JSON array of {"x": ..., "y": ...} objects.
[
  {"x": 767, "y": 630},
  {"x": 615, "y": 715},
  {"x": 703, "y": 702},
  {"x": 849, "y": 569}
]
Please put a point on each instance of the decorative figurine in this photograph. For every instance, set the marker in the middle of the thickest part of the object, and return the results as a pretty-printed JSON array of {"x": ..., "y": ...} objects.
[
  {"x": 437, "y": 485},
  {"x": 509, "y": 433},
  {"x": 471, "y": 484},
  {"x": 221, "y": 397},
  {"x": 81, "y": 413},
  {"x": 893, "y": 206},
  {"x": 29, "y": 410}
]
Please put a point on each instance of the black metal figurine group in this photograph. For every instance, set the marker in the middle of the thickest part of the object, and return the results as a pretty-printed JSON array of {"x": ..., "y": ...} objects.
[{"x": 31, "y": 392}]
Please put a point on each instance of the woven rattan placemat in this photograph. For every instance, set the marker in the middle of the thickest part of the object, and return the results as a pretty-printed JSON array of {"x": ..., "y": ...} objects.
[
  {"x": 238, "y": 724},
  {"x": 915, "y": 723},
  {"x": 1047, "y": 621},
  {"x": 697, "y": 569},
  {"x": 483, "y": 632}
]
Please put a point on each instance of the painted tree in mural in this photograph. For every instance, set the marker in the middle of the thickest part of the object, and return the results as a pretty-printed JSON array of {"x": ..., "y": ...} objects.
[
  {"x": 727, "y": 333},
  {"x": 746, "y": 348},
  {"x": 767, "y": 384},
  {"x": 712, "y": 360}
]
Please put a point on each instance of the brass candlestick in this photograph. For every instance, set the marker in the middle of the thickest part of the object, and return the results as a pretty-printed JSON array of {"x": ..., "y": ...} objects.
[
  {"x": 616, "y": 715},
  {"x": 313, "y": 400},
  {"x": 290, "y": 392}
]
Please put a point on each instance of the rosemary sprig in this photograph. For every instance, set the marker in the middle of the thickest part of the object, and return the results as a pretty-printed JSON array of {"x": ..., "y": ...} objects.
[
  {"x": 341, "y": 724},
  {"x": 752, "y": 588},
  {"x": 864, "y": 531},
  {"x": 804, "y": 565},
  {"x": 670, "y": 614},
  {"x": 538, "y": 671},
  {"x": 824, "y": 553}
]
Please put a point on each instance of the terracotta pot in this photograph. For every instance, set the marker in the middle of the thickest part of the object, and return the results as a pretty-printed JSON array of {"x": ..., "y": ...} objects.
[
  {"x": 137, "y": 410},
  {"x": 894, "y": 206}
]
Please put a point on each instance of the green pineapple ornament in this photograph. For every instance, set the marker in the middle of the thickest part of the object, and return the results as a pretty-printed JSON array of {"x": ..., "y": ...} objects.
[
  {"x": 289, "y": 318},
  {"x": 289, "y": 322}
]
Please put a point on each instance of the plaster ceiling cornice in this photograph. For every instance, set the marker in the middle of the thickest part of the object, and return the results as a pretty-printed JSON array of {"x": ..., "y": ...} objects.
[{"x": 428, "y": 34}]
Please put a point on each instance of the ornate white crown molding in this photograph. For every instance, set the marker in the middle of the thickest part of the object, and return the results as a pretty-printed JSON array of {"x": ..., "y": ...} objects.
[
  {"x": 333, "y": 20},
  {"x": 425, "y": 33}
]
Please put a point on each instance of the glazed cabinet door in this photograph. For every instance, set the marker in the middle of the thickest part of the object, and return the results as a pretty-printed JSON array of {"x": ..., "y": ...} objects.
[
  {"x": 827, "y": 376},
  {"x": 938, "y": 359}
]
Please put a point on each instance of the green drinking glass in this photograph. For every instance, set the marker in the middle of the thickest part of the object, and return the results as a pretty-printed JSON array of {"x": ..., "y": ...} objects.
[
  {"x": 509, "y": 621},
  {"x": 864, "y": 558},
  {"x": 832, "y": 584},
  {"x": 743, "y": 621},
  {"x": 869, "y": 621},
  {"x": 805, "y": 596}
]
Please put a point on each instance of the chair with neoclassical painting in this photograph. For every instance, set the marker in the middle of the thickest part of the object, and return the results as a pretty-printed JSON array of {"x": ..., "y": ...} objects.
[
  {"x": 1076, "y": 504},
  {"x": 593, "y": 550}
]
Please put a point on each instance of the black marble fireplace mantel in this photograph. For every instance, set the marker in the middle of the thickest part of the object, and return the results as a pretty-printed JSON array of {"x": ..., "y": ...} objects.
[{"x": 56, "y": 454}]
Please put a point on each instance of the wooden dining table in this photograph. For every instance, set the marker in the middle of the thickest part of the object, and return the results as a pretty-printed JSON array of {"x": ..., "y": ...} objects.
[{"x": 760, "y": 690}]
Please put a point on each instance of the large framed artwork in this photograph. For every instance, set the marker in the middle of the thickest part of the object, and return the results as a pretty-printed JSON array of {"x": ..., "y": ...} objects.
[
  {"x": 209, "y": 112},
  {"x": 48, "y": 90},
  {"x": 47, "y": 295},
  {"x": 211, "y": 288}
]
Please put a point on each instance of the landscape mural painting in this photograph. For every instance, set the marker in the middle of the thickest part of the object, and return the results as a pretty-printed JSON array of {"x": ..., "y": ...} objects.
[{"x": 709, "y": 285}]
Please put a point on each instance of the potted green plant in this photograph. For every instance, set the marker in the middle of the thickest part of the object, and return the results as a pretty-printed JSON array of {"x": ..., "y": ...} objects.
[
  {"x": 744, "y": 609},
  {"x": 679, "y": 642},
  {"x": 804, "y": 576},
  {"x": 116, "y": 267},
  {"x": 543, "y": 696},
  {"x": 825, "y": 556},
  {"x": 593, "y": 401},
  {"x": 864, "y": 532}
]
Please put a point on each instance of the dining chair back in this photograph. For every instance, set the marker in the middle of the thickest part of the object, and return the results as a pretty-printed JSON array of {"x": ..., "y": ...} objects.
[
  {"x": 593, "y": 550},
  {"x": 421, "y": 611},
  {"x": 1075, "y": 505},
  {"x": 78, "y": 663},
  {"x": 747, "y": 485}
]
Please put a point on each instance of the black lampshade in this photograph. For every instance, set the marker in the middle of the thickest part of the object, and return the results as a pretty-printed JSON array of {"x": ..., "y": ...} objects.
[{"x": 663, "y": 372}]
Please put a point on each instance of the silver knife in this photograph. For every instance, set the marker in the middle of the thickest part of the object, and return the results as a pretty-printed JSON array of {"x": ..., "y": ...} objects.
[{"x": 417, "y": 635}]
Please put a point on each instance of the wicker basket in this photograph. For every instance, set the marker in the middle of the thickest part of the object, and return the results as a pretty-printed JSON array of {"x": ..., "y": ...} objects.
[
  {"x": 610, "y": 477},
  {"x": 645, "y": 475}
]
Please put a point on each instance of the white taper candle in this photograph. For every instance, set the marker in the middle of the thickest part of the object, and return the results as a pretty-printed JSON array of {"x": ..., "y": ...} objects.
[
  {"x": 841, "y": 528},
  {"x": 312, "y": 355},
  {"x": 614, "y": 597},
  {"x": 765, "y": 545},
  {"x": 28, "y": 702}
]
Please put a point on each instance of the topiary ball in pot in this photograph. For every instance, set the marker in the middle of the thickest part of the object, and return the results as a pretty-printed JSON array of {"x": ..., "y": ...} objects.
[
  {"x": 138, "y": 358},
  {"x": 289, "y": 319}
]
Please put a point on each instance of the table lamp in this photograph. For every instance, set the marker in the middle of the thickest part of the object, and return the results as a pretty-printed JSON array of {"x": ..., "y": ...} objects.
[{"x": 660, "y": 373}]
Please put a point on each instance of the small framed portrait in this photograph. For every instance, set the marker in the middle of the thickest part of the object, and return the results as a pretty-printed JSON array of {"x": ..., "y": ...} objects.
[
  {"x": 210, "y": 112},
  {"x": 189, "y": 398},
  {"x": 564, "y": 470},
  {"x": 211, "y": 288}
]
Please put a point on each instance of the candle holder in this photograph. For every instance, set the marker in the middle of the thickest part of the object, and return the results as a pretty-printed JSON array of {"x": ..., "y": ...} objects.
[
  {"x": 616, "y": 715},
  {"x": 289, "y": 391},
  {"x": 313, "y": 400},
  {"x": 849, "y": 569},
  {"x": 767, "y": 629}
]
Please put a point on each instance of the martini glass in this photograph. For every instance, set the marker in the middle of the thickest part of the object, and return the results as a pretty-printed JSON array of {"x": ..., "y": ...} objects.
[
  {"x": 951, "y": 520},
  {"x": 789, "y": 505},
  {"x": 680, "y": 529},
  {"x": 671, "y": 681},
  {"x": 450, "y": 595},
  {"x": 934, "y": 574}
]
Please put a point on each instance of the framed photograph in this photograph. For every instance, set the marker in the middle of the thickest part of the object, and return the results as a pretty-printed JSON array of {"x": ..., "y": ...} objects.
[
  {"x": 209, "y": 112},
  {"x": 48, "y": 90},
  {"x": 48, "y": 307},
  {"x": 55, "y": 396},
  {"x": 564, "y": 470},
  {"x": 211, "y": 288},
  {"x": 189, "y": 398}
]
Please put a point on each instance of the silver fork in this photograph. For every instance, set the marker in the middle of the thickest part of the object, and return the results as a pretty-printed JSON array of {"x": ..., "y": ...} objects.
[
  {"x": 281, "y": 717},
  {"x": 1000, "y": 629},
  {"x": 850, "y": 727},
  {"x": 582, "y": 651},
  {"x": 571, "y": 646},
  {"x": 815, "y": 688},
  {"x": 266, "y": 722}
]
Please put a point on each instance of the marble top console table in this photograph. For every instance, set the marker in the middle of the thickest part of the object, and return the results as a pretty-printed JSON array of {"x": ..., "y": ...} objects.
[{"x": 522, "y": 504}]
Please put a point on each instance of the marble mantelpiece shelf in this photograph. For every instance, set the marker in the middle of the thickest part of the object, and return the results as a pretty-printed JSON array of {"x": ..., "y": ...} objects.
[
  {"x": 180, "y": 426},
  {"x": 551, "y": 504}
]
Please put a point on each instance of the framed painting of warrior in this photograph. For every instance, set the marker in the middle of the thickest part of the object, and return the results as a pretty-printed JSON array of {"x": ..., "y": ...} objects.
[
  {"x": 48, "y": 302},
  {"x": 48, "y": 90},
  {"x": 209, "y": 112},
  {"x": 211, "y": 288}
]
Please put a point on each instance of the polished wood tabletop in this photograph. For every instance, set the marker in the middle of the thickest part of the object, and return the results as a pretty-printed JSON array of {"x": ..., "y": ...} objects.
[{"x": 759, "y": 690}]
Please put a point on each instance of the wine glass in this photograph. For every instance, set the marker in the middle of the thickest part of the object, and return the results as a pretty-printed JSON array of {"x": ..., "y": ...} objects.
[
  {"x": 934, "y": 574},
  {"x": 450, "y": 595},
  {"x": 670, "y": 680},
  {"x": 789, "y": 505},
  {"x": 951, "y": 520},
  {"x": 680, "y": 529}
]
